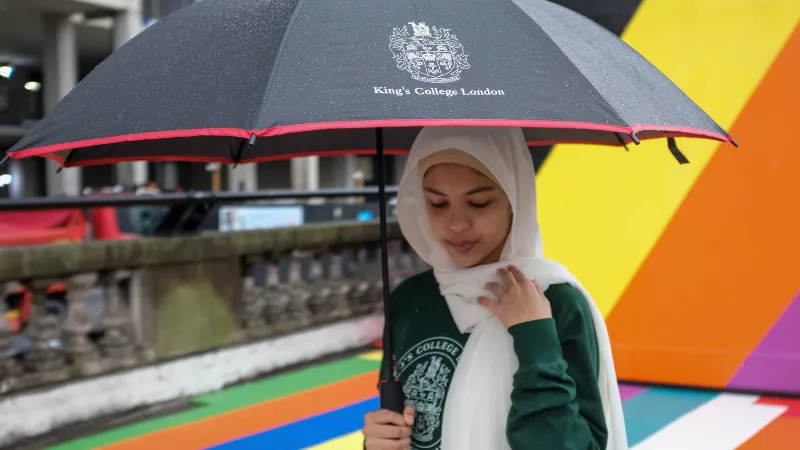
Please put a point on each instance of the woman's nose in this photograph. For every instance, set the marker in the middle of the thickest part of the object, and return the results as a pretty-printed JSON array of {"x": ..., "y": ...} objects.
[{"x": 459, "y": 224}]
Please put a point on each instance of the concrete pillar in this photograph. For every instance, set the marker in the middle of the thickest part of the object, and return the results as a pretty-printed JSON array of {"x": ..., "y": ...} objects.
[
  {"x": 128, "y": 24},
  {"x": 59, "y": 76},
  {"x": 167, "y": 176},
  {"x": 305, "y": 173},
  {"x": 337, "y": 171},
  {"x": 23, "y": 178},
  {"x": 399, "y": 167},
  {"x": 19, "y": 99},
  {"x": 242, "y": 178}
]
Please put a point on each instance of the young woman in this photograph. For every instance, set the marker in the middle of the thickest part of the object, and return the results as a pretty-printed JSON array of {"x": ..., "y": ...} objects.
[{"x": 497, "y": 346}]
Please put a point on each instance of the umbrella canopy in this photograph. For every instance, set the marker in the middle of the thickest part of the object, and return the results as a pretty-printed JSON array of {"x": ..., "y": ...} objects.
[
  {"x": 259, "y": 80},
  {"x": 312, "y": 77}
]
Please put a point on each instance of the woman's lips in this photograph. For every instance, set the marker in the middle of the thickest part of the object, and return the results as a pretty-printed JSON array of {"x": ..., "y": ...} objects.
[{"x": 462, "y": 246}]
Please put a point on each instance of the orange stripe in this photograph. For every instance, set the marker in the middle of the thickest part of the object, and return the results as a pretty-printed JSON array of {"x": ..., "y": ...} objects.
[
  {"x": 256, "y": 418},
  {"x": 783, "y": 432},
  {"x": 726, "y": 266}
]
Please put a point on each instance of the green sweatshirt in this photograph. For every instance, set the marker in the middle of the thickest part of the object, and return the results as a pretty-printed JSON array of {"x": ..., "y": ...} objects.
[{"x": 555, "y": 402}]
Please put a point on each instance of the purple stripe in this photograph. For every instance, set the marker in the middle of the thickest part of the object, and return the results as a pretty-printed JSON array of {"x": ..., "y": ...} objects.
[
  {"x": 627, "y": 391},
  {"x": 775, "y": 364}
]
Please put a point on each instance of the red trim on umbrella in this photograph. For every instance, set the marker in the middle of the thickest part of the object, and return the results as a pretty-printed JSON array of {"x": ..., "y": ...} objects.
[{"x": 47, "y": 151}]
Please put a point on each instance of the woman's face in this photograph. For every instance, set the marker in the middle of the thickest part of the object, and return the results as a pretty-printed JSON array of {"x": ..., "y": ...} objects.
[{"x": 469, "y": 214}]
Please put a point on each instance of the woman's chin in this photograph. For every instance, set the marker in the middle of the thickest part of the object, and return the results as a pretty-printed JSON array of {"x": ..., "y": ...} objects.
[{"x": 465, "y": 260}]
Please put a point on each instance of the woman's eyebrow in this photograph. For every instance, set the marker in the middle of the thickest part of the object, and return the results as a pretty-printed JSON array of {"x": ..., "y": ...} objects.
[
  {"x": 434, "y": 191},
  {"x": 477, "y": 190},
  {"x": 480, "y": 189}
]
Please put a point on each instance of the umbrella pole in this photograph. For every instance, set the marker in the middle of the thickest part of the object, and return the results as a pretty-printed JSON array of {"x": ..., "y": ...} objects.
[{"x": 391, "y": 390}]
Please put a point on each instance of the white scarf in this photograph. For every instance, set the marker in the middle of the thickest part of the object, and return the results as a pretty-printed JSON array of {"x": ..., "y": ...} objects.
[{"x": 479, "y": 398}]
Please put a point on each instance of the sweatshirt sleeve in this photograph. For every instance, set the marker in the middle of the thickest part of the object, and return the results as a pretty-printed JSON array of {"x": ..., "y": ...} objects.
[{"x": 555, "y": 401}]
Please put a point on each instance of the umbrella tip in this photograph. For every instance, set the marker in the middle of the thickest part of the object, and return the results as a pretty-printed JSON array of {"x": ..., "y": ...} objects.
[
  {"x": 252, "y": 142},
  {"x": 634, "y": 138},
  {"x": 621, "y": 141},
  {"x": 735, "y": 144}
]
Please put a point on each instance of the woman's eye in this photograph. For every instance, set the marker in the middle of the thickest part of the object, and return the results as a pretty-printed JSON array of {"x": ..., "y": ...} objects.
[
  {"x": 438, "y": 205},
  {"x": 479, "y": 205}
]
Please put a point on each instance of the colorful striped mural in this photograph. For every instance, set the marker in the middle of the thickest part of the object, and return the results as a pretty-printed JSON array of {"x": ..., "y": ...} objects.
[
  {"x": 322, "y": 408},
  {"x": 695, "y": 265}
]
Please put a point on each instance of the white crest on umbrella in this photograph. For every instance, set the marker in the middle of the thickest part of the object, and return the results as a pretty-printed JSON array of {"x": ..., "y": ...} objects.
[{"x": 431, "y": 54}]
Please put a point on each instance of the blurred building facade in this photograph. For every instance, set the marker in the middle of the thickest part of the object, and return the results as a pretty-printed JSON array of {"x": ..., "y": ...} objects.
[{"x": 48, "y": 46}]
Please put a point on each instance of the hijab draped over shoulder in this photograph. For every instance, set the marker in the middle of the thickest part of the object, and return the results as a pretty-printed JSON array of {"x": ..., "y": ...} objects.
[{"x": 479, "y": 398}]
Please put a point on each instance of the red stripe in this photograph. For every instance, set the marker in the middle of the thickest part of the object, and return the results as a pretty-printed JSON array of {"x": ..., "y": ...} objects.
[{"x": 395, "y": 123}]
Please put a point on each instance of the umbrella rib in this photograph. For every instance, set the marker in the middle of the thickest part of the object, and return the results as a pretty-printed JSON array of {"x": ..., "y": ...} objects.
[
  {"x": 276, "y": 64},
  {"x": 566, "y": 55},
  {"x": 621, "y": 141},
  {"x": 66, "y": 160},
  {"x": 250, "y": 143}
]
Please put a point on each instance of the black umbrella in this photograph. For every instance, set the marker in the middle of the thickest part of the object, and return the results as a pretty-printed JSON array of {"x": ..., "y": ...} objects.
[{"x": 259, "y": 80}]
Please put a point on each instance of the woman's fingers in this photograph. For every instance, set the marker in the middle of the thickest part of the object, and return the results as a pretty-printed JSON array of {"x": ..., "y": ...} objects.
[
  {"x": 497, "y": 289},
  {"x": 384, "y": 417},
  {"x": 387, "y": 431},
  {"x": 507, "y": 277},
  {"x": 384, "y": 429},
  {"x": 519, "y": 277},
  {"x": 387, "y": 444}
]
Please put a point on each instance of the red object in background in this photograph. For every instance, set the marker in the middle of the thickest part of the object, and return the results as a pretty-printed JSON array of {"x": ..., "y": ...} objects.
[
  {"x": 19, "y": 317},
  {"x": 106, "y": 226},
  {"x": 42, "y": 227},
  {"x": 21, "y": 228}
]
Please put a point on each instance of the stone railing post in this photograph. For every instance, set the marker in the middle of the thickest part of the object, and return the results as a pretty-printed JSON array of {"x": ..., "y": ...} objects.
[
  {"x": 277, "y": 297},
  {"x": 117, "y": 342},
  {"x": 254, "y": 297},
  {"x": 320, "y": 303},
  {"x": 375, "y": 297},
  {"x": 338, "y": 284},
  {"x": 82, "y": 351},
  {"x": 357, "y": 270},
  {"x": 9, "y": 369},
  {"x": 299, "y": 292},
  {"x": 47, "y": 363}
]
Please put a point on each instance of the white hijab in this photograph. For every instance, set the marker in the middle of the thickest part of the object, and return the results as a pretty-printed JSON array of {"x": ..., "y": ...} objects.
[{"x": 479, "y": 399}]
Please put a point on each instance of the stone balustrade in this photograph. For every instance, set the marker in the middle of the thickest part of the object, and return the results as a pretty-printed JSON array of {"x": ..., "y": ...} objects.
[{"x": 107, "y": 306}]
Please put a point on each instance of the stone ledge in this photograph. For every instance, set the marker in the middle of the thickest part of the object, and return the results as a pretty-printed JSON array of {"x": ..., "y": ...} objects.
[
  {"x": 29, "y": 414},
  {"x": 55, "y": 261}
]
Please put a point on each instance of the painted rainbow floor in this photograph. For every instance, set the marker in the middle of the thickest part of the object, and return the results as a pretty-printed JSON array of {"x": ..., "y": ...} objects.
[{"x": 322, "y": 408}]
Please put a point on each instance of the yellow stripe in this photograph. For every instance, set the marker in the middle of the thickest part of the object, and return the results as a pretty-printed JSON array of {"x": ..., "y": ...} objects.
[
  {"x": 347, "y": 442},
  {"x": 603, "y": 209},
  {"x": 375, "y": 355}
]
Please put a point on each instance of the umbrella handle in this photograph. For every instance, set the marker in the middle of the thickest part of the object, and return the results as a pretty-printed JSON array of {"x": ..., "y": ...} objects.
[{"x": 392, "y": 396}]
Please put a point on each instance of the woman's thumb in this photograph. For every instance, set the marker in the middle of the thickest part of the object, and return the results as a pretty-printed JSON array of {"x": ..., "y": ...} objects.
[{"x": 408, "y": 413}]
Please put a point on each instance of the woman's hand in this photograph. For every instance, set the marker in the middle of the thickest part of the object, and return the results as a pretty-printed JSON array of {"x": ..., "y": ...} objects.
[
  {"x": 520, "y": 300},
  {"x": 387, "y": 430}
]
